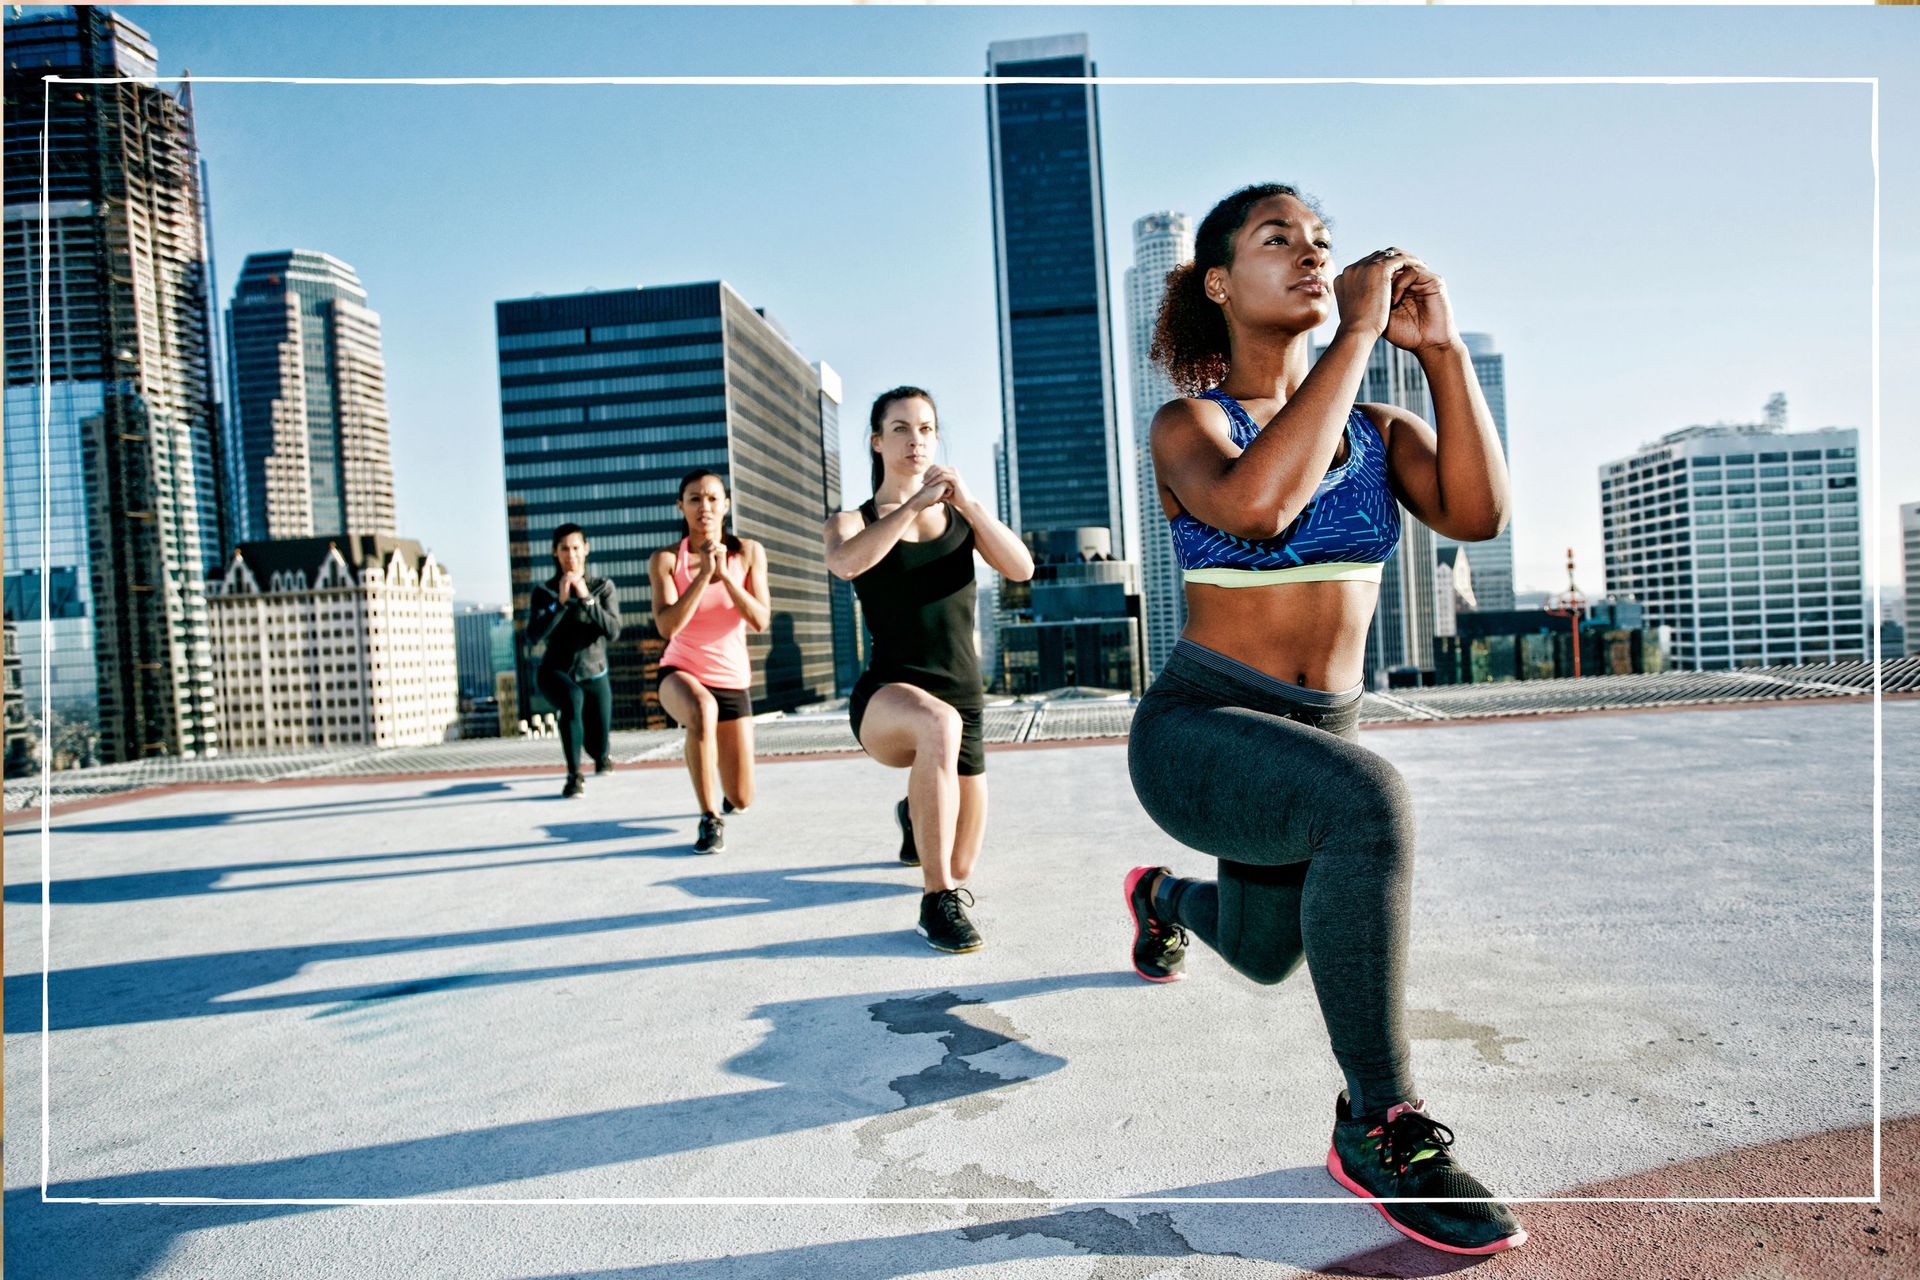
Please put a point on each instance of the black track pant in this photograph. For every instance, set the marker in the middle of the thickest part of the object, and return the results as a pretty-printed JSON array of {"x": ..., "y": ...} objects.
[
  {"x": 579, "y": 705},
  {"x": 1314, "y": 834}
]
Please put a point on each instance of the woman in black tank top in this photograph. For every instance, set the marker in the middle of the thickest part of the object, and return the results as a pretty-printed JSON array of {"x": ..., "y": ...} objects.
[{"x": 909, "y": 554}]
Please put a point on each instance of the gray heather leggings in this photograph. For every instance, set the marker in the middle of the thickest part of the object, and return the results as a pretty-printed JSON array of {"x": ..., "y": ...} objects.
[{"x": 1314, "y": 834}]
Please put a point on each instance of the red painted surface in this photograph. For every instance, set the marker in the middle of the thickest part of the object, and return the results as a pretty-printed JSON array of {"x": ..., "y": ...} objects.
[{"x": 1714, "y": 1241}]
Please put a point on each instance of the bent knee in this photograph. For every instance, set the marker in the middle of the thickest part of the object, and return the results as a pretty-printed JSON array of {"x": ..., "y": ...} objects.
[
  {"x": 937, "y": 732},
  {"x": 1267, "y": 970},
  {"x": 1370, "y": 799}
]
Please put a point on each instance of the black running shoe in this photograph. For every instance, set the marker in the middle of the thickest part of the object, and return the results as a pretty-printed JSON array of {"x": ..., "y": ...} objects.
[
  {"x": 575, "y": 788},
  {"x": 1404, "y": 1153},
  {"x": 909, "y": 854},
  {"x": 944, "y": 923},
  {"x": 1159, "y": 947},
  {"x": 713, "y": 835},
  {"x": 603, "y": 765},
  {"x": 729, "y": 807}
]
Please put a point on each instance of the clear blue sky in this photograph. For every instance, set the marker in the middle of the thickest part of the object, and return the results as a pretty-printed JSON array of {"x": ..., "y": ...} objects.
[{"x": 1647, "y": 257}]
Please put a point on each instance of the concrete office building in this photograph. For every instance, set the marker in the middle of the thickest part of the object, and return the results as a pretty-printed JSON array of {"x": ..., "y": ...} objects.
[
  {"x": 848, "y": 651},
  {"x": 1161, "y": 242},
  {"x": 335, "y": 642},
  {"x": 309, "y": 401},
  {"x": 607, "y": 399},
  {"x": 131, "y": 458},
  {"x": 1744, "y": 539},
  {"x": 1453, "y": 589},
  {"x": 1910, "y": 565}
]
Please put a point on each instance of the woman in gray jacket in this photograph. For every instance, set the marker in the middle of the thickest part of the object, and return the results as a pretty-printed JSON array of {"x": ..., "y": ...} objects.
[{"x": 576, "y": 615}]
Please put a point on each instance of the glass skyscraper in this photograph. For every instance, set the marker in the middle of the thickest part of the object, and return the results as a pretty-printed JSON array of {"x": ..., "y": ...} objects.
[
  {"x": 309, "y": 401},
  {"x": 607, "y": 399},
  {"x": 1400, "y": 638},
  {"x": 1056, "y": 352},
  {"x": 1492, "y": 560},
  {"x": 132, "y": 456},
  {"x": 1161, "y": 242}
]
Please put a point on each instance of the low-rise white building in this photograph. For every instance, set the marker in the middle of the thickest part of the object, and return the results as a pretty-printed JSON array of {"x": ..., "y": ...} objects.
[
  {"x": 1452, "y": 589},
  {"x": 324, "y": 642}
]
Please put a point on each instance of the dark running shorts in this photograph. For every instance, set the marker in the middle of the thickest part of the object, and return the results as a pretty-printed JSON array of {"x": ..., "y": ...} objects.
[
  {"x": 973, "y": 746},
  {"x": 734, "y": 704}
]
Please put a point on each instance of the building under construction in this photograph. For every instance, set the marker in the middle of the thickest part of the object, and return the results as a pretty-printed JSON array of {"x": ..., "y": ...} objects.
[{"x": 108, "y": 262}]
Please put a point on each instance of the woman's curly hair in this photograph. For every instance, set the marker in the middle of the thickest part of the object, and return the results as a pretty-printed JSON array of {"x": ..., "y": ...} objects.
[{"x": 1190, "y": 337}]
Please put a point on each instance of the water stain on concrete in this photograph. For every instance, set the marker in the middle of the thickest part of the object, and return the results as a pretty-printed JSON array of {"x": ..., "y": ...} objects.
[
  {"x": 1101, "y": 1231},
  {"x": 1441, "y": 1024},
  {"x": 965, "y": 1028}
]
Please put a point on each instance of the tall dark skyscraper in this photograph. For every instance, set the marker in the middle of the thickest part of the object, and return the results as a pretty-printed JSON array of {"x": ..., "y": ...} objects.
[
  {"x": 1049, "y": 234},
  {"x": 132, "y": 455},
  {"x": 607, "y": 399},
  {"x": 309, "y": 401}
]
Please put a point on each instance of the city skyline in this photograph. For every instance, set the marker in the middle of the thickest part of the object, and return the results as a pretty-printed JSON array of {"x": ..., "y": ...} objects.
[{"x": 1561, "y": 491}]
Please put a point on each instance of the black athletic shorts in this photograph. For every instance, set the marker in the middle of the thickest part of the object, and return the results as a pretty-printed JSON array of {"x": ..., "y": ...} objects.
[
  {"x": 734, "y": 704},
  {"x": 973, "y": 746}
]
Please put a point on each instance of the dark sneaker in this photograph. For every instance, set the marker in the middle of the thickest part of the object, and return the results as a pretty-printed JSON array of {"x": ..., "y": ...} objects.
[
  {"x": 1159, "y": 947},
  {"x": 576, "y": 786},
  {"x": 1404, "y": 1154},
  {"x": 603, "y": 765},
  {"x": 944, "y": 923},
  {"x": 713, "y": 835},
  {"x": 729, "y": 807},
  {"x": 909, "y": 854}
]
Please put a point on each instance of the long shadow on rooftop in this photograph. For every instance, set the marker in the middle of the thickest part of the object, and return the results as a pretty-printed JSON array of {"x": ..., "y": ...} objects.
[
  {"x": 457, "y": 795},
  {"x": 143, "y": 885},
  {"x": 136, "y": 991},
  {"x": 831, "y": 1060}
]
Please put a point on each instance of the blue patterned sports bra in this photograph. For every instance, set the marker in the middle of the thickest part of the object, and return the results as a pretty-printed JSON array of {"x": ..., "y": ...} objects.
[{"x": 1344, "y": 534}]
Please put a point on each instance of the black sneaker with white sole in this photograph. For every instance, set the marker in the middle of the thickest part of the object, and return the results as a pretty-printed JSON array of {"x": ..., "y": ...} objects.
[
  {"x": 713, "y": 835},
  {"x": 944, "y": 923},
  {"x": 575, "y": 788},
  {"x": 909, "y": 852}
]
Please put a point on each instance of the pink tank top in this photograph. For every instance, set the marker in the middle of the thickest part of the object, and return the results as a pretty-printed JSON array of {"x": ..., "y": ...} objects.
[{"x": 712, "y": 646}]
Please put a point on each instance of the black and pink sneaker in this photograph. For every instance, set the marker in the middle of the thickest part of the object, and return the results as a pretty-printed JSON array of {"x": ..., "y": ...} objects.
[
  {"x": 1404, "y": 1155},
  {"x": 1159, "y": 946}
]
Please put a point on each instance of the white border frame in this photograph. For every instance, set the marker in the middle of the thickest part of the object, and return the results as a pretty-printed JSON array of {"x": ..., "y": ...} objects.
[{"x": 838, "y": 81}]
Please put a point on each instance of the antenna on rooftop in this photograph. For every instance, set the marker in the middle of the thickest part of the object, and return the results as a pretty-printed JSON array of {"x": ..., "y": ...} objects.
[{"x": 1570, "y": 604}]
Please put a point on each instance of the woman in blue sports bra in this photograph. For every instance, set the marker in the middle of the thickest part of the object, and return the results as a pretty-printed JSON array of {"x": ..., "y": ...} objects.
[{"x": 1284, "y": 499}]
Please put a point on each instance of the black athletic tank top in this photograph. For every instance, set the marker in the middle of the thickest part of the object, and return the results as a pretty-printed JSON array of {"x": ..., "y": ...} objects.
[{"x": 918, "y": 603}]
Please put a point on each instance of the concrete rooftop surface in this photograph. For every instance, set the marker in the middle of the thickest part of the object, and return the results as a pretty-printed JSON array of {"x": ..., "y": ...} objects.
[{"x": 1641, "y": 967}]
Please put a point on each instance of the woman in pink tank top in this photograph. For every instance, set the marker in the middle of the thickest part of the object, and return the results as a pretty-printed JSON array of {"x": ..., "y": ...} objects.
[{"x": 706, "y": 592}]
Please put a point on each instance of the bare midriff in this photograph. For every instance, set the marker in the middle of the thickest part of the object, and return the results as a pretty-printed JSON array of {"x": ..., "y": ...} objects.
[{"x": 1305, "y": 633}]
